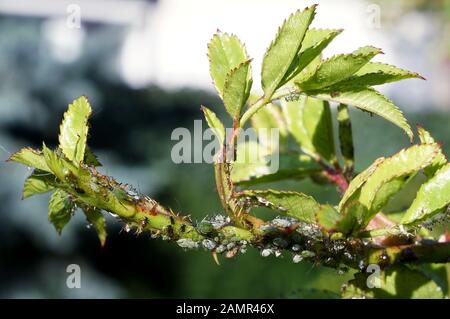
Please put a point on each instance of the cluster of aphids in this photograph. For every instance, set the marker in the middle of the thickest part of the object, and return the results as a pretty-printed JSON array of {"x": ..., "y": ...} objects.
[
  {"x": 215, "y": 241},
  {"x": 292, "y": 97},
  {"x": 436, "y": 220},
  {"x": 289, "y": 234},
  {"x": 123, "y": 192}
]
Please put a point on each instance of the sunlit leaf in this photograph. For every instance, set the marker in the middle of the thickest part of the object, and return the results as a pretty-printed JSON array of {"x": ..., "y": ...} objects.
[
  {"x": 225, "y": 53},
  {"x": 439, "y": 161},
  {"x": 403, "y": 164},
  {"x": 30, "y": 157},
  {"x": 371, "y": 101},
  {"x": 237, "y": 89},
  {"x": 432, "y": 197},
  {"x": 315, "y": 41},
  {"x": 283, "y": 50},
  {"x": 338, "y": 68}
]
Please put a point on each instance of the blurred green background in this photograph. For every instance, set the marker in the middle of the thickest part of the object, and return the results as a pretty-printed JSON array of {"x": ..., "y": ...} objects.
[{"x": 130, "y": 131}]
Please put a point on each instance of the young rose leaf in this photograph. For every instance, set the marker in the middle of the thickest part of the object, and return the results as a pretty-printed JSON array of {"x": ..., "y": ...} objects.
[
  {"x": 264, "y": 121},
  {"x": 315, "y": 41},
  {"x": 309, "y": 121},
  {"x": 97, "y": 220},
  {"x": 294, "y": 204},
  {"x": 403, "y": 164},
  {"x": 39, "y": 182},
  {"x": 225, "y": 53},
  {"x": 439, "y": 161},
  {"x": 60, "y": 209},
  {"x": 74, "y": 130},
  {"x": 30, "y": 157},
  {"x": 372, "y": 101},
  {"x": 90, "y": 158},
  {"x": 338, "y": 68},
  {"x": 358, "y": 182},
  {"x": 214, "y": 123},
  {"x": 54, "y": 163},
  {"x": 237, "y": 89},
  {"x": 432, "y": 197},
  {"x": 346, "y": 137},
  {"x": 283, "y": 51},
  {"x": 375, "y": 73},
  {"x": 254, "y": 166}
]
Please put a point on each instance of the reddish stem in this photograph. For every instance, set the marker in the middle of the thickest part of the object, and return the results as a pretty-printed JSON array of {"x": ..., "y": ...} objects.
[{"x": 336, "y": 176}]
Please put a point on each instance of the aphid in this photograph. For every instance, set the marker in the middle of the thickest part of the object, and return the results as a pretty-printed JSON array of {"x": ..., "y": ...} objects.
[
  {"x": 231, "y": 253},
  {"x": 220, "y": 249},
  {"x": 183, "y": 228},
  {"x": 172, "y": 220},
  {"x": 187, "y": 243},
  {"x": 169, "y": 231},
  {"x": 297, "y": 258},
  {"x": 283, "y": 223},
  {"x": 280, "y": 242},
  {"x": 266, "y": 252},
  {"x": 209, "y": 244},
  {"x": 231, "y": 246}
]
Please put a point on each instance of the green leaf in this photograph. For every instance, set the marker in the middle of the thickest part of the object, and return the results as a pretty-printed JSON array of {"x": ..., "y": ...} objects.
[
  {"x": 60, "y": 209},
  {"x": 371, "y": 101},
  {"x": 214, "y": 123},
  {"x": 397, "y": 169},
  {"x": 96, "y": 219},
  {"x": 237, "y": 89},
  {"x": 309, "y": 121},
  {"x": 294, "y": 204},
  {"x": 432, "y": 197},
  {"x": 338, "y": 68},
  {"x": 346, "y": 137},
  {"x": 39, "y": 182},
  {"x": 283, "y": 51},
  {"x": 439, "y": 161},
  {"x": 328, "y": 218},
  {"x": 225, "y": 52},
  {"x": 267, "y": 118},
  {"x": 375, "y": 73},
  {"x": 396, "y": 282},
  {"x": 248, "y": 170},
  {"x": 30, "y": 157},
  {"x": 358, "y": 181},
  {"x": 90, "y": 158},
  {"x": 55, "y": 163},
  {"x": 74, "y": 130},
  {"x": 403, "y": 164},
  {"x": 315, "y": 41}
]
